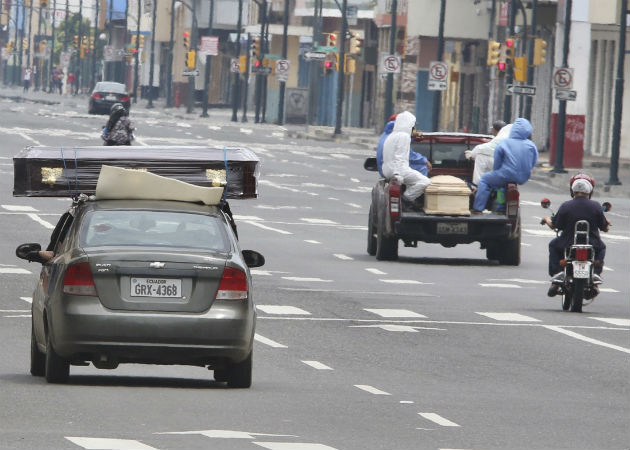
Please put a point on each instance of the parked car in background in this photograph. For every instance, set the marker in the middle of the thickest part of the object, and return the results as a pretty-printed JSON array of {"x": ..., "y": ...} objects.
[{"x": 105, "y": 94}]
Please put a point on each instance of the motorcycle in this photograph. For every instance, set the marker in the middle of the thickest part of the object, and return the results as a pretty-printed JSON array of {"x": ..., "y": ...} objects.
[{"x": 580, "y": 285}]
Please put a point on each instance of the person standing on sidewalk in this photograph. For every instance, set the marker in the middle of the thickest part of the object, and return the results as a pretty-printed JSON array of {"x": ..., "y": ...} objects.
[{"x": 27, "y": 79}]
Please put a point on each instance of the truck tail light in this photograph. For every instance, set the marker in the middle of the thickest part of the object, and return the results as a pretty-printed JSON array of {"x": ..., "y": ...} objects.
[
  {"x": 394, "y": 199},
  {"x": 233, "y": 285},
  {"x": 78, "y": 280},
  {"x": 513, "y": 197}
]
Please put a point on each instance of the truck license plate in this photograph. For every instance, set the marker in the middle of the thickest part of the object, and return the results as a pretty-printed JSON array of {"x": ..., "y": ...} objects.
[
  {"x": 156, "y": 287},
  {"x": 452, "y": 228},
  {"x": 581, "y": 269}
]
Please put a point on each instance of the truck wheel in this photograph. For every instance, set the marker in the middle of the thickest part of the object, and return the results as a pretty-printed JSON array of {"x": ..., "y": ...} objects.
[
  {"x": 492, "y": 251},
  {"x": 371, "y": 233},
  {"x": 578, "y": 295},
  {"x": 386, "y": 246},
  {"x": 510, "y": 250}
]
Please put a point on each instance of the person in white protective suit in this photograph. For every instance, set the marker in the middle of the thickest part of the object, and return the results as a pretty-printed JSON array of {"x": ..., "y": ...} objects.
[
  {"x": 483, "y": 154},
  {"x": 396, "y": 157}
]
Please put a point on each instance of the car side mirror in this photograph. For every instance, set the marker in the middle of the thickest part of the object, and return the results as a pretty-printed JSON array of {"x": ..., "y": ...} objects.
[
  {"x": 370, "y": 164},
  {"x": 253, "y": 258},
  {"x": 606, "y": 206},
  {"x": 545, "y": 203},
  {"x": 25, "y": 250}
]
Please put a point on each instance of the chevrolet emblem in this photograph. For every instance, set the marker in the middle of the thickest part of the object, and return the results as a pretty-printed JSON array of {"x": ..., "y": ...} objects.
[{"x": 157, "y": 265}]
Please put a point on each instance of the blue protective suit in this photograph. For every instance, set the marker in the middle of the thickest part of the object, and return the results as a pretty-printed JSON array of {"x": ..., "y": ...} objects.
[
  {"x": 416, "y": 160},
  {"x": 514, "y": 159}
]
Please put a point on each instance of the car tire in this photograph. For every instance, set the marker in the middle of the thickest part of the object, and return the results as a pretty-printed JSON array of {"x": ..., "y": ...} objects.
[
  {"x": 239, "y": 375},
  {"x": 57, "y": 368},
  {"x": 38, "y": 359},
  {"x": 386, "y": 246},
  {"x": 371, "y": 233}
]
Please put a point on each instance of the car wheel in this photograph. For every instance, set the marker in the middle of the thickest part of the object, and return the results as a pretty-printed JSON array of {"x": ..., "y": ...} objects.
[
  {"x": 386, "y": 246},
  {"x": 239, "y": 375},
  {"x": 38, "y": 359},
  {"x": 371, "y": 234},
  {"x": 220, "y": 375},
  {"x": 57, "y": 368}
]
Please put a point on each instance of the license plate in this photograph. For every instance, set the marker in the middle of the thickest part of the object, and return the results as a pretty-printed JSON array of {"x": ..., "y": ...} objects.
[
  {"x": 452, "y": 228},
  {"x": 156, "y": 287},
  {"x": 110, "y": 97},
  {"x": 581, "y": 269}
]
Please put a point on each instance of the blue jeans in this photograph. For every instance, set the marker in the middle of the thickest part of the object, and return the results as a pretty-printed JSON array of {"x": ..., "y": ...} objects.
[{"x": 491, "y": 180}]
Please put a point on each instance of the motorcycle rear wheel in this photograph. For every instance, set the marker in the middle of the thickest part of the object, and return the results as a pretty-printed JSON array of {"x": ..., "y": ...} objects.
[{"x": 578, "y": 295}]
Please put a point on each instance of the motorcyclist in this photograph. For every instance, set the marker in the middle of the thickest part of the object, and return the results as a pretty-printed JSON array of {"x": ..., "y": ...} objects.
[
  {"x": 580, "y": 208},
  {"x": 119, "y": 129}
]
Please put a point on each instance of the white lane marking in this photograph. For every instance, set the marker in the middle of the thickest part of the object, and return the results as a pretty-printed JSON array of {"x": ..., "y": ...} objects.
[
  {"x": 529, "y": 203},
  {"x": 320, "y": 280},
  {"x": 403, "y": 281},
  {"x": 376, "y": 271},
  {"x": 610, "y": 269},
  {"x": 519, "y": 280},
  {"x": 141, "y": 142},
  {"x": 27, "y": 299},
  {"x": 549, "y": 233},
  {"x": 318, "y": 221},
  {"x": 508, "y": 317},
  {"x": 293, "y": 446},
  {"x": 183, "y": 124},
  {"x": 500, "y": 285},
  {"x": 436, "y": 418},
  {"x": 109, "y": 444},
  {"x": 608, "y": 290},
  {"x": 406, "y": 402},
  {"x": 213, "y": 128},
  {"x": 281, "y": 309},
  {"x": 19, "y": 208},
  {"x": 41, "y": 221},
  {"x": 28, "y": 138},
  {"x": 354, "y": 205},
  {"x": 339, "y": 156},
  {"x": 355, "y": 180},
  {"x": 260, "y": 272},
  {"x": 265, "y": 227},
  {"x": 389, "y": 313},
  {"x": 269, "y": 342},
  {"x": 14, "y": 270},
  {"x": 277, "y": 134},
  {"x": 317, "y": 365},
  {"x": 239, "y": 217},
  {"x": 525, "y": 245},
  {"x": 371, "y": 389},
  {"x": 613, "y": 321},
  {"x": 343, "y": 257},
  {"x": 581, "y": 337},
  {"x": 246, "y": 130},
  {"x": 20, "y": 315},
  {"x": 311, "y": 241},
  {"x": 397, "y": 328},
  {"x": 15, "y": 310},
  {"x": 227, "y": 434}
]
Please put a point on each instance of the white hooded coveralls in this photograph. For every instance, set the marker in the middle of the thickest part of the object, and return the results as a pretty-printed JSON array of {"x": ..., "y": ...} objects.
[
  {"x": 396, "y": 157},
  {"x": 483, "y": 154}
]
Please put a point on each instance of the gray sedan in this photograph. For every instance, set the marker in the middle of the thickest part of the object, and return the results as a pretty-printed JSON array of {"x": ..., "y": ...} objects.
[{"x": 137, "y": 281}]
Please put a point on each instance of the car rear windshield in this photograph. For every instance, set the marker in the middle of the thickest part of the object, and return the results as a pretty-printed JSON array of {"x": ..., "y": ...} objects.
[
  {"x": 445, "y": 154},
  {"x": 154, "y": 229},
  {"x": 110, "y": 87}
]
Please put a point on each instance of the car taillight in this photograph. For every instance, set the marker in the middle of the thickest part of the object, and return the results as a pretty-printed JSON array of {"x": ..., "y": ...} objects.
[
  {"x": 581, "y": 254},
  {"x": 96, "y": 95},
  {"x": 512, "y": 201},
  {"x": 394, "y": 199},
  {"x": 78, "y": 280},
  {"x": 233, "y": 285},
  {"x": 124, "y": 98}
]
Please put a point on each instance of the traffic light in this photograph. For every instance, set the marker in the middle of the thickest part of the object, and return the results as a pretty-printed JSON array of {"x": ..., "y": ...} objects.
[
  {"x": 329, "y": 63},
  {"x": 141, "y": 41},
  {"x": 331, "y": 40},
  {"x": 134, "y": 40},
  {"x": 350, "y": 65},
  {"x": 256, "y": 48},
  {"x": 355, "y": 45},
  {"x": 539, "y": 51},
  {"x": 494, "y": 52},
  {"x": 76, "y": 41},
  {"x": 186, "y": 40},
  {"x": 43, "y": 3},
  {"x": 520, "y": 68},
  {"x": 42, "y": 46},
  {"x": 509, "y": 52},
  {"x": 191, "y": 58},
  {"x": 25, "y": 43},
  {"x": 10, "y": 46}
]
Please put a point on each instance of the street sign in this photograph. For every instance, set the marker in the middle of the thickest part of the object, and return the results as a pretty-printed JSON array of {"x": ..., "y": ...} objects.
[
  {"x": 438, "y": 76},
  {"x": 562, "y": 78},
  {"x": 209, "y": 46},
  {"x": 390, "y": 64},
  {"x": 326, "y": 48},
  {"x": 65, "y": 57},
  {"x": 190, "y": 73},
  {"x": 352, "y": 13},
  {"x": 235, "y": 66},
  {"x": 314, "y": 56},
  {"x": 262, "y": 70},
  {"x": 282, "y": 69},
  {"x": 520, "y": 89},
  {"x": 566, "y": 94}
]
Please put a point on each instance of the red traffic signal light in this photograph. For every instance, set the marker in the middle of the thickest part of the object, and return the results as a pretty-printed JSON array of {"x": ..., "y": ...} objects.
[
  {"x": 509, "y": 42},
  {"x": 256, "y": 63},
  {"x": 501, "y": 65},
  {"x": 328, "y": 64}
]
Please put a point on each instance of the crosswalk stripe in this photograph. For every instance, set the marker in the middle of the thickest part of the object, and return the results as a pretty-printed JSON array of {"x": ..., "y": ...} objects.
[
  {"x": 500, "y": 285},
  {"x": 613, "y": 321},
  {"x": 376, "y": 271},
  {"x": 293, "y": 446},
  {"x": 269, "y": 342},
  {"x": 281, "y": 309},
  {"x": 402, "y": 281},
  {"x": 306, "y": 279},
  {"x": 371, "y": 389},
  {"x": 343, "y": 257},
  {"x": 109, "y": 444},
  {"x": 511, "y": 317},
  {"x": 436, "y": 418},
  {"x": 27, "y": 299},
  {"x": 389, "y": 313},
  {"x": 317, "y": 365}
]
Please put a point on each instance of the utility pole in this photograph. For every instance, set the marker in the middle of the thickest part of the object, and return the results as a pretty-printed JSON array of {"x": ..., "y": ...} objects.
[
  {"x": 206, "y": 76},
  {"x": 341, "y": 79},
  {"x": 616, "y": 137},
  {"x": 260, "y": 78},
  {"x": 313, "y": 81},
  {"x": 93, "y": 71},
  {"x": 30, "y": 31},
  {"x": 40, "y": 68},
  {"x": 283, "y": 84},
  {"x": 52, "y": 49},
  {"x": 389, "y": 84},
  {"x": 169, "y": 67},
  {"x": 562, "y": 109},
  {"x": 77, "y": 69},
  {"x": 247, "y": 61},
  {"x": 530, "y": 61},
  {"x": 437, "y": 97},
  {"x": 136, "y": 60},
  {"x": 236, "y": 87},
  {"x": 509, "y": 70},
  {"x": 150, "y": 90},
  {"x": 193, "y": 47}
]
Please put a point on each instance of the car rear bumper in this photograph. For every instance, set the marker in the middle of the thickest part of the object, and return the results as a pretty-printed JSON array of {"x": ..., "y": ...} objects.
[
  {"x": 85, "y": 330},
  {"x": 100, "y": 105}
]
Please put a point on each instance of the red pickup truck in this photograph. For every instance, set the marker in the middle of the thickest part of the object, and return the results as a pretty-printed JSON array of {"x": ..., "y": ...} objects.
[{"x": 499, "y": 233}]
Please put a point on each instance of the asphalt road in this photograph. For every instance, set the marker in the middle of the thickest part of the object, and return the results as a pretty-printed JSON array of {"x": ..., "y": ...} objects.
[{"x": 439, "y": 350}]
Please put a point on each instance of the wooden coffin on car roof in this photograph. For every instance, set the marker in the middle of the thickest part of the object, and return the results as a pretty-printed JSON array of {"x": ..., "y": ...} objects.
[{"x": 68, "y": 171}]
